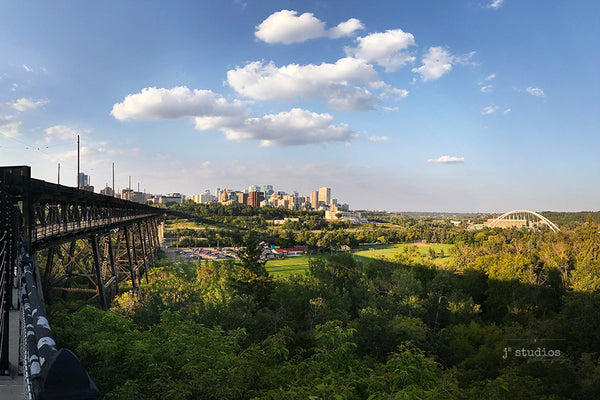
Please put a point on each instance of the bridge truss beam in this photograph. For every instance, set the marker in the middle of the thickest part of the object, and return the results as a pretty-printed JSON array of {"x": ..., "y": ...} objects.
[{"x": 93, "y": 267}]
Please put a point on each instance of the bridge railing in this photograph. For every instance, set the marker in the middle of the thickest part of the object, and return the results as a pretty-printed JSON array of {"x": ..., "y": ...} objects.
[
  {"x": 9, "y": 228},
  {"x": 49, "y": 373},
  {"x": 53, "y": 220}
]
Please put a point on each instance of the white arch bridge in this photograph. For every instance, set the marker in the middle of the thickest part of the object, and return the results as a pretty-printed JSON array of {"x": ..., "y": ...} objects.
[{"x": 518, "y": 218}]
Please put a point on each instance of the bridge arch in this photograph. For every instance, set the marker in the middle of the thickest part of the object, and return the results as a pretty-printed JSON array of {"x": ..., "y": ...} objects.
[{"x": 526, "y": 217}]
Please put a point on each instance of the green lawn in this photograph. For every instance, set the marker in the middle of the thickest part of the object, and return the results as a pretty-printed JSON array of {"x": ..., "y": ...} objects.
[
  {"x": 290, "y": 265},
  {"x": 299, "y": 264}
]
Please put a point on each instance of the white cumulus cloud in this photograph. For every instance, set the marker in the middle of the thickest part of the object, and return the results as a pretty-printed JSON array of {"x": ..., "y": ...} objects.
[
  {"x": 346, "y": 28},
  {"x": 159, "y": 104},
  {"x": 489, "y": 110},
  {"x": 295, "y": 127},
  {"x": 535, "y": 91},
  {"x": 211, "y": 112},
  {"x": 495, "y": 4},
  {"x": 438, "y": 61},
  {"x": 378, "y": 139},
  {"x": 388, "y": 49},
  {"x": 344, "y": 85},
  {"x": 24, "y": 104},
  {"x": 487, "y": 89},
  {"x": 9, "y": 127},
  {"x": 286, "y": 27},
  {"x": 447, "y": 160}
]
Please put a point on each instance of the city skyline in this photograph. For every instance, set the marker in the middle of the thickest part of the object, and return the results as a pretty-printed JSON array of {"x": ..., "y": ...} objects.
[{"x": 465, "y": 106}]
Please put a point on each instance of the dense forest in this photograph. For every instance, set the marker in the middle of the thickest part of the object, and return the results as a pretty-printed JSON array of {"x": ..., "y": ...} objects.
[{"x": 515, "y": 316}]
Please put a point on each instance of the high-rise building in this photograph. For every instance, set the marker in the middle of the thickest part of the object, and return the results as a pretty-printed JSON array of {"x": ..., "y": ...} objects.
[
  {"x": 206, "y": 197},
  {"x": 107, "y": 191},
  {"x": 254, "y": 198},
  {"x": 242, "y": 198},
  {"x": 254, "y": 188},
  {"x": 84, "y": 180},
  {"x": 218, "y": 194},
  {"x": 314, "y": 199},
  {"x": 268, "y": 190},
  {"x": 325, "y": 195}
]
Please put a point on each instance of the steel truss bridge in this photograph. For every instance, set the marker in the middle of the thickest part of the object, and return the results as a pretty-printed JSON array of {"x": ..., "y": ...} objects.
[
  {"x": 58, "y": 241},
  {"x": 522, "y": 218}
]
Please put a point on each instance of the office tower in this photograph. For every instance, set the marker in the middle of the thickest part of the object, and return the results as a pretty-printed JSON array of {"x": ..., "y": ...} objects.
[
  {"x": 268, "y": 190},
  {"x": 325, "y": 195},
  {"x": 314, "y": 199},
  {"x": 84, "y": 180},
  {"x": 254, "y": 198}
]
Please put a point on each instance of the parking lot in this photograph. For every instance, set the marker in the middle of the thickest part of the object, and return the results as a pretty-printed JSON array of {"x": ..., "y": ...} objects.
[{"x": 205, "y": 253}]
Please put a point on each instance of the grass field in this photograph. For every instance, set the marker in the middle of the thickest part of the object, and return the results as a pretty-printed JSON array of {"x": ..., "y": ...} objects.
[{"x": 299, "y": 264}]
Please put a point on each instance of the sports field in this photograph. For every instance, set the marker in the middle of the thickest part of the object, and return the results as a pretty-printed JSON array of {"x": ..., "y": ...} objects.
[{"x": 419, "y": 251}]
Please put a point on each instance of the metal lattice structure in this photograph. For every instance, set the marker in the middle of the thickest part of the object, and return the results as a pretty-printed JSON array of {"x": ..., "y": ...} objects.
[
  {"x": 86, "y": 243},
  {"x": 517, "y": 218}
]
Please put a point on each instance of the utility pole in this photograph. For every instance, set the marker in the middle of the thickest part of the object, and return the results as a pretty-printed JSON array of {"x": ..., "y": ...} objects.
[
  {"x": 113, "y": 185},
  {"x": 78, "y": 162},
  {"x": 129, "y": 190},
  {"x": 59, "y": 173}
]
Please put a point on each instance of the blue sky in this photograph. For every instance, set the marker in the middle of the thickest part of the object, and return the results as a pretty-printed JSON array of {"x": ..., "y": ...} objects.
[{"x": 462, "y": 105}]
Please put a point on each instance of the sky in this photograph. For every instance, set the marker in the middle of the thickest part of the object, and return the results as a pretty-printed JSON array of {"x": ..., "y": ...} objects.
[{"x": 453, "y": 106}]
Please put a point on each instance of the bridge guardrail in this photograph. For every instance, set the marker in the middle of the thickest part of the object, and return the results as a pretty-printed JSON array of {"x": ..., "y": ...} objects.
[{"x": 50, "y": 373}]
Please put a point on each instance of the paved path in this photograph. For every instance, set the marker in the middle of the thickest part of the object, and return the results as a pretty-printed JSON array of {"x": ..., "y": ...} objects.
[{"x": 11, "y": 387}]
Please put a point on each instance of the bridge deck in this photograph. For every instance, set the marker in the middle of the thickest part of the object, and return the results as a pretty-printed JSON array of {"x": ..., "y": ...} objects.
[{"x": 11, "y": 387}]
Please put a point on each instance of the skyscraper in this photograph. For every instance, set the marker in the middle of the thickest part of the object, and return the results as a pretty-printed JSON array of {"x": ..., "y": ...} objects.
[
  {"x": 314, "y": 199},
  {"x": 325, "y": 195},
  {"x": 84, "y": 180},
  {"x": 268, "y": 190}
]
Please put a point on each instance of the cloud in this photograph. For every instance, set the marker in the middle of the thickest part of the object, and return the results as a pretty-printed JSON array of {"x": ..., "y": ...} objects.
[
  {"x": 535, "y": 91},
  {"x": 378, "y": 139},
  {"x": 212, "y": 112},
  {"x": 507, "y": 110},
  {"x": 296, "y": 127},
  {"x": 329, "y": 82},
  {"x": 495, "y": 4},
  {"x": 447, "y": 160},
  {"x": 489, "y": 110},
  {"x": 346, "y": 28},
  {"x": 490, "y": 77},
  {"x": 28, "y": 69},
  {"x": 63, "y": 132},
  {"x": 160, "y": 104},
  {"x": 438, "y": 61},
  {"x": 287, "y": 27},
  {"x": 487, "y": 89},
  {"x": 9, "y": 127},
  {"x": 388, "y": 49},
  {"x": 24, "y": 104}
]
